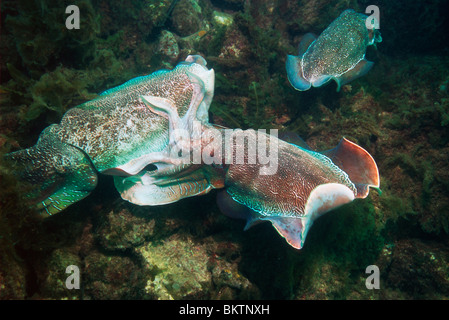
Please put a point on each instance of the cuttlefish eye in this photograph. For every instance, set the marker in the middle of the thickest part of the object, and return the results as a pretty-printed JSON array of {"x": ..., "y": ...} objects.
[{"x": 150, "y": 167}]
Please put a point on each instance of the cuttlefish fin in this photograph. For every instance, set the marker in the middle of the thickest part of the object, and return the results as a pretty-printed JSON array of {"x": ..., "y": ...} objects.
[
  {"x": 294, "y": 229},
  {"x": 53, "y": 174},
  {"x": 359, "y": 70},
  {"x": 294, "y": 68},
  {"x": 293, "y": 138},
  {"x": 233, "y": 209},
  {"x": 358, "y": 164},
  {"x": 295, "y": 73},
  {"x": 322, "y": 199},
  {"x": 321, "y": 81}
]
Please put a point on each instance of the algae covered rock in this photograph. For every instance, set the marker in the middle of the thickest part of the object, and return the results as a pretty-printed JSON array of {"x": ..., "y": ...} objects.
[
  {"x": 178, "y": 268},
  {"x": 112, "y": 277},
  {"x": 222, "y": 18},
  {"x": 122, "y": 228},
  {"x": 12, "y": 274},
  {"x": 40, "y": 34},
  {"x": 186, "y": 17},
  {"x": 52, "y": 275},
  {"x": 182, "y": 268},
  {"x": 228, "y": 282},
  {"x": 138, "y": 17},
  {"x": 168, "y": 46}
]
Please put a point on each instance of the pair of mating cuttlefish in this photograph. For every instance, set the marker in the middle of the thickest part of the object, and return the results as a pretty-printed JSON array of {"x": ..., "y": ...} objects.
[{"x": 143, "y": 131}]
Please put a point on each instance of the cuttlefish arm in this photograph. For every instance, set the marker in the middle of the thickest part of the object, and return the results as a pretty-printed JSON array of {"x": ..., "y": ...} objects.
[
  {"x": 154, "y": 191},
  {"x": 174, "y": 176},
  {"x": 306, "y": 185}
]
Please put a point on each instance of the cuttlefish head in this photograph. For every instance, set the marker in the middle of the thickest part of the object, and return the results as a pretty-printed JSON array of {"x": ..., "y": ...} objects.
[
  {"x": 306, "y": 185},
  {"x": 167, "y": 176}
]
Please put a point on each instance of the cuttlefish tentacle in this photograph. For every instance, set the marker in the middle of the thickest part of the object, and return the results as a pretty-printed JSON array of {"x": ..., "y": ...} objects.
[{"x": 160, "y": 191}]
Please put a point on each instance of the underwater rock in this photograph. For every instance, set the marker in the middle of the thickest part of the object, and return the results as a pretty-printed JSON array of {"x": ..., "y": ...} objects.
[
  {"x": 168, "y": 46},
  {"x": 222, "y": 18},
  {"x": 232, "y": 2},
  {"x": 224, "y": 264},
  {"x": 186, "y": 17},
  {"x": 42, "y": 38},
  {"x": 182, "y": 268},
  {"x": 306, "y": 15},
  {"x": 420, "y": 269},
  {"x": 12, "y": 275},
  {"x": 235, "y": 49},
  {"x": 178, "y": 269},
  {"x": 111, "y": 277},
  {"x": 134, "y": 17},
  {"x": 124, "y": 227},
  {"x": 189, "y": 44},
  {"x": 52, "y": 275}
]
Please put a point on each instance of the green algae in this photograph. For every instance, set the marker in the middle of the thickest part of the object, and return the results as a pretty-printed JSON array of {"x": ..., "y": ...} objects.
[
  {"x": 179, "y": 269},
  {"x": 123, "y": 229}
]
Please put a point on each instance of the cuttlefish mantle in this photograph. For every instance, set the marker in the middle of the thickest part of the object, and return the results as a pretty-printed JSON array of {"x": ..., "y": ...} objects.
[{"x": 307, "y": 185}]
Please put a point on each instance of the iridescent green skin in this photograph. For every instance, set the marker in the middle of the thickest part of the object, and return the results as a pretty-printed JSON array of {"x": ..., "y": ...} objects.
[{"x": 118, "y": 127}]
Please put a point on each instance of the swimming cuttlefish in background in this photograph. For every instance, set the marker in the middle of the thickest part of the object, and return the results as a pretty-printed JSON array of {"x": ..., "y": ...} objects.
[
  {"x": 130, "y": 132},
  {"x": 338, "y": 53}
]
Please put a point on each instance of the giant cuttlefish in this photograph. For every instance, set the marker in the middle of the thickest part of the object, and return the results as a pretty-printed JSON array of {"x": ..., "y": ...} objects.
[
  {"x": 307, "y": 185},
  {"x": 338, "y": 53},
  {"x": 147, "y": 134},
  {"x": 115, "y": 134}
]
